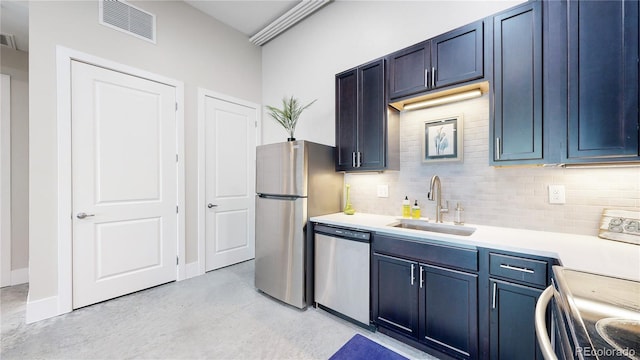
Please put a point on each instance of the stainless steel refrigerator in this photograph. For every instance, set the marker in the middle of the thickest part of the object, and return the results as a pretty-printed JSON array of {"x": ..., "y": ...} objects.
[{"x": 294, "y": 181}]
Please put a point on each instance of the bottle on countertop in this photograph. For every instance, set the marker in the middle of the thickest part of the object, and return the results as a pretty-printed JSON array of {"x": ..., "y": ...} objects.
[
  {"x": 406, "y": 207},
  {"x": 415, "y": 210},
  {"x": 458, "y": 218}
]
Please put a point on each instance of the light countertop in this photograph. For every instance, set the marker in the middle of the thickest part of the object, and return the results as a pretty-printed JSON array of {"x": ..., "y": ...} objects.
[{"x": 579, "y": 252}]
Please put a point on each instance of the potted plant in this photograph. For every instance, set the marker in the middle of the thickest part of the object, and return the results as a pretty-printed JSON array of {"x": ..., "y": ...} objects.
[{"x": 288, "y": 115}]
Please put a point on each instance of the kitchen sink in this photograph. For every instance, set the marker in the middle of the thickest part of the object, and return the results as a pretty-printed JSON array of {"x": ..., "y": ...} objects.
[{"x": 424, "y": 225}]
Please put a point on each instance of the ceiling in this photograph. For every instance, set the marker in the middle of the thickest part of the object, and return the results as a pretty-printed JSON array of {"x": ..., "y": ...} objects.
[
  {"x": 247, "y": 16},
  {"x": 14, "y": 20}
]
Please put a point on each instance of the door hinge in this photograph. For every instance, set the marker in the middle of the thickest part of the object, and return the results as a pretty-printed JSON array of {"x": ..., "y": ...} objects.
[
  {"x": 176, "y": 157},
  {"x": 177, "y": 209},
  {"x": 255, "y": 123},
  {"x": 177, "y": 260},
  {"x": 176, "y": 106}
]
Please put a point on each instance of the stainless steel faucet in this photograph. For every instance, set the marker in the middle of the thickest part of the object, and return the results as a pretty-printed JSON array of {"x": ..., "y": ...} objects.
[{"x": 436, "y": 187}]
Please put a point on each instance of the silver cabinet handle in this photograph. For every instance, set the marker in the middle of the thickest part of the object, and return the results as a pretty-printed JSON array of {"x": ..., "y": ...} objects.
[
  {"x": 211, "y": 206},
  {"x": 421, "y": 278},
  {"x": 353, "y": 159},
  {"x": 497, "y": 148},
  {"x": 541, "y": 324},
  {"x": 84, "y": 215},
  {"x": 509, "y": 267},
  {"x": 359, "y": 159},
  {"x": 426, "y": 78},
  {"x": 433, "y": 77},
  {"x": 493, "y": 297},
  {"x": 413, "y": 278}
]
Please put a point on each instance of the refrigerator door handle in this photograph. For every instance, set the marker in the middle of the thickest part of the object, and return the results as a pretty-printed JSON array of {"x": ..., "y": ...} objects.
[{"x": 280, "y": 197}]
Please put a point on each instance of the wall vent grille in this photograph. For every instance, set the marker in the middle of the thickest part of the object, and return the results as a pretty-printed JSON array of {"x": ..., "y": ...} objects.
[
  {"x": 8, "y": 40},
  {"x": 120, "y": 15}
]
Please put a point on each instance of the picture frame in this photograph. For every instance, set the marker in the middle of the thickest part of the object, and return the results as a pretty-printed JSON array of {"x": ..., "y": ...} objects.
[{"x": 443, "y": 139}]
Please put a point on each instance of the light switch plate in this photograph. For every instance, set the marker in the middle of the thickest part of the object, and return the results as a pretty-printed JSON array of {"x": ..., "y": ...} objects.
[
  {"x": 383, "y": 191},
  {"x": 556, "y": 194}
]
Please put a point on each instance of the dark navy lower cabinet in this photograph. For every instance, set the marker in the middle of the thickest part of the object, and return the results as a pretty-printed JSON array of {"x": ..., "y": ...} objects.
[
  {"x": 429, "y": 306},
  {"x": 512, "y": 326},
  {"x": 449, "y": 310},
  {"x": 512, "y": 283},
  {"x": 396, "y": 294}
]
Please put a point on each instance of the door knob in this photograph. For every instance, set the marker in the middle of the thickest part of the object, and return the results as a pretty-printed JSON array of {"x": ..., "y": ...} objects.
[
  {"x": 211, "y": 206},
  {"x": 84, "y": 215}
]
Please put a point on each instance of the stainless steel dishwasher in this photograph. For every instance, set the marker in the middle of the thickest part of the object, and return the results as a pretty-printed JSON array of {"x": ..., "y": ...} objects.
[{"x": 341, "y": 268}]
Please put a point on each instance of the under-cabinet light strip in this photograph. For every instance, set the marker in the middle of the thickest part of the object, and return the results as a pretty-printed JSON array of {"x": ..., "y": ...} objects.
[
  {"x": 288, "y": 19},
  {"x": 444, "y": 100}
]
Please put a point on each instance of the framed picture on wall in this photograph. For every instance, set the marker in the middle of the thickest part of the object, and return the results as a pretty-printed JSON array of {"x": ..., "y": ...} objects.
[{"x": 443, "y": 139}]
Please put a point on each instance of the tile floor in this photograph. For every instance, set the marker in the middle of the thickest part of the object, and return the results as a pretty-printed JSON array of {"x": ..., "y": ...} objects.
[{"x": 219, "y": 315}]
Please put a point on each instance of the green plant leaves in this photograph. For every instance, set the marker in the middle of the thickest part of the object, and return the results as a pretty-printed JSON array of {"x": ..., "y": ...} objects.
[{"x": 289, "y": 114}]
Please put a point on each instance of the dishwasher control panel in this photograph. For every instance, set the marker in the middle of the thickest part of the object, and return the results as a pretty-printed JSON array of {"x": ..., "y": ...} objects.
[{"x": 344, "y": 233}]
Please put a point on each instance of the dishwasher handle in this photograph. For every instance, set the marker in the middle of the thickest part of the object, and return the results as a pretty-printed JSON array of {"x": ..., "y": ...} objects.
[{"x": 541, "y": 324}]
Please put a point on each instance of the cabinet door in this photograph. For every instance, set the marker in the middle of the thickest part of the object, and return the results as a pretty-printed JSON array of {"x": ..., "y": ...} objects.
[
  {"x": 409, "y": 70},
  {"x": 603, "y": 80},
  {"x": 449, "y": 310},
  {"x": 517, "y": 114},
  {"x": 512, "y": 324},
  {"x": 395, "y": 294},
  {"x": 458, "y": 56},
  {"x": 346, "y": 119},
  {"x": 371, "y": 116}
]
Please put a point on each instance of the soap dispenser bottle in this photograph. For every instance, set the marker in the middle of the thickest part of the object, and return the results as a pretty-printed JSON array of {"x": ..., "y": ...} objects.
[
  {"x": 406, "y": 207},
  {"x": 458, "y": 218},
  {"x": 415, "y": 211}
]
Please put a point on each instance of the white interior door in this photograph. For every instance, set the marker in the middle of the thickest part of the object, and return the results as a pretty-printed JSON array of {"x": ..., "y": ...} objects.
[
  {"x": 230, "y": 143},
  {"x": 5, "y": 180},
  {"x": 124, "y": 176}
]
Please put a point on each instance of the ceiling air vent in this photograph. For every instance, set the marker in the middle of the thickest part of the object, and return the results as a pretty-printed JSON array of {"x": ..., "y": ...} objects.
[
  {"x": 8, "y": 40},
  {"x": 127, "y": 18}
]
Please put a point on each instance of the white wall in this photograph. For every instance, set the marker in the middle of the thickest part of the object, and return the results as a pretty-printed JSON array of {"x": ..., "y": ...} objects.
[
  {"x": 304, "y": 60},
  {"x": 16, "y": 64},
  {"x": 191, "y": 47}
]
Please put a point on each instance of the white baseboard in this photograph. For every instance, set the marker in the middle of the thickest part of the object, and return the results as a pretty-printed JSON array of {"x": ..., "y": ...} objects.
[
  {"x": 41, "y": 309},
  {"x": 19, "y": 276},
  {"x": 192, "y": 270},
  {"x": 5, "y": 280}
]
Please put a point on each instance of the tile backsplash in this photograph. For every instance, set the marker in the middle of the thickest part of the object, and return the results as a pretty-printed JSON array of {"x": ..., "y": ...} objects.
[{"x": 514, "y": 197}]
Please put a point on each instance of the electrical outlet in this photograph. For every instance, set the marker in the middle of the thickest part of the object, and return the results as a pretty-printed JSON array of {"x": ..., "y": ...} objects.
[
  {"x": 383, "y": 191},
  {"x": 556, "y": 194}
]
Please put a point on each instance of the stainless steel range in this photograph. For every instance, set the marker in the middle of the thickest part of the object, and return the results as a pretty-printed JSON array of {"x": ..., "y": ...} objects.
[{"x": 594, "y": 316}]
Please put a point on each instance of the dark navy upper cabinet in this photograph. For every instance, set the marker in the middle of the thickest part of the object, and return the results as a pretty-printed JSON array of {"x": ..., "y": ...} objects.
[
  {"x": 517, "y": 118},
  {"x": 363, "y": 124},
  {"x": 603, "y": 81},
  {"x": 346, "y": 118},
  {"x": 457, "y": 56},
  {"x": 451, "y": 58},
  {"x": 372, "y": 116},
  {"x": 409, "y": 70}
]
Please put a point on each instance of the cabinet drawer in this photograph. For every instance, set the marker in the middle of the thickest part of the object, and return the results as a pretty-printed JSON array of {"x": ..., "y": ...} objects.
[{"x": 518, "y": 269}]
